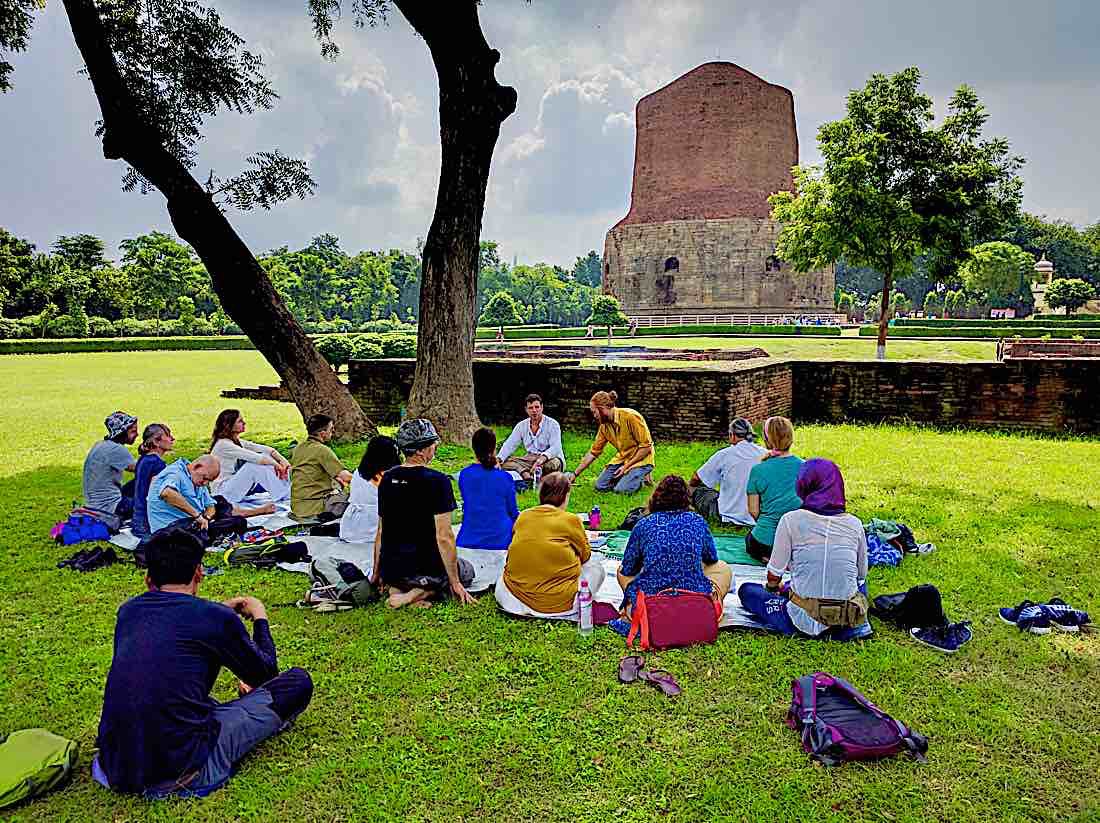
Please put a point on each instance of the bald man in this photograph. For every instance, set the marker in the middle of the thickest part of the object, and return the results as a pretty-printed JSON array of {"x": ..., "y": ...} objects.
[{"x": 181, "y": 492}]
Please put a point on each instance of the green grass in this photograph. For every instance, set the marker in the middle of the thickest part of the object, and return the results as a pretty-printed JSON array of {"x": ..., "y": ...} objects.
[
  {"x": 458, "y": 713},
  {"x": 820, "y": 348}
]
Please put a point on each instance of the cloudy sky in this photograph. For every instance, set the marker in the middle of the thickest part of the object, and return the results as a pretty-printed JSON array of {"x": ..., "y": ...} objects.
[{"x": 368, "y": 122}]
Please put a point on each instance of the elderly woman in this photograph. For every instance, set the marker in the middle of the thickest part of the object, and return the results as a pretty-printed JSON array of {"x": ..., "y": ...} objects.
[
  {"x": 671, "y": 548},
  {"x": 548, "y": 557},
  {"x": 771, "y": 487},
  {"x": 825, "y": 550}
]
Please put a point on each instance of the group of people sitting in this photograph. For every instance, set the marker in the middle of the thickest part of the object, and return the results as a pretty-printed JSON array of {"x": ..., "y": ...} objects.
[{"x": 161, "y": 732}]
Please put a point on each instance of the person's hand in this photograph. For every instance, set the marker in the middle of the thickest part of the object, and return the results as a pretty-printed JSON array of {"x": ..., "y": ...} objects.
[
  {"x": 461, "y": 595},
  {"x": 282, "y": 470},
  {"x": 619, "y": 472},
  {"x": 571, "y": 476},
  {"x": 243, "y": 688},
  {"x": 202, "y": 522},
  {"x": 266, "y": 508},
  {"x": 248, "y": 607}
]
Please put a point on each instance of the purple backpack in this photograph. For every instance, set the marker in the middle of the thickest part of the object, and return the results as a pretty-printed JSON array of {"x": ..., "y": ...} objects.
[{"x": 838, "y": 723}]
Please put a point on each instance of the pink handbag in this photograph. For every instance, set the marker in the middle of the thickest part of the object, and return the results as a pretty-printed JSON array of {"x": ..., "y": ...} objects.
[{"x": 674, "y": 617}]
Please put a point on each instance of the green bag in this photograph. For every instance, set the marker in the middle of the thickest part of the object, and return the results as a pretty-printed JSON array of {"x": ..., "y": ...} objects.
[{"x": 33, "y": 761}]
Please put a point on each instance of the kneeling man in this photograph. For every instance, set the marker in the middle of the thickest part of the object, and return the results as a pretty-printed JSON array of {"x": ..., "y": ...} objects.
[
  {"x": 626, "y": 430},
  {"x": 161, "y": 733},
  {"x": 540, "y": 437}
]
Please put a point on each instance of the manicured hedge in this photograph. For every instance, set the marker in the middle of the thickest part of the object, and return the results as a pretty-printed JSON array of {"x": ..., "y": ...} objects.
[
  {"x": 983, "y": 334},
  {"x": 661, "y": 331},
  {"x": 122, "y": 344},
  {"x": 995, "y": 324},
  {"x": 1061, "y": 318}
]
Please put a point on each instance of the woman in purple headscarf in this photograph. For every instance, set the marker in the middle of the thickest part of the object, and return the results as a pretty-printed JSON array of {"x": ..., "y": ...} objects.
[{"x": 825, "y": 550}]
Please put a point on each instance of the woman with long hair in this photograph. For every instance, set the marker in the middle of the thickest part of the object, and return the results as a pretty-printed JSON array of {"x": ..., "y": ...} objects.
[
  {"x": 671, "y": 548},
  {"x": 156, "y": 442},
  {"x": 488, "y": 498},
  {"x": 360, "y": 521},
  {"x": 246, "y": 465}
]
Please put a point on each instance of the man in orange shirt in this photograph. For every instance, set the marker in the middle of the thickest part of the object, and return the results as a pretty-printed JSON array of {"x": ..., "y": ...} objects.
[{"x": 626, "y": 430}]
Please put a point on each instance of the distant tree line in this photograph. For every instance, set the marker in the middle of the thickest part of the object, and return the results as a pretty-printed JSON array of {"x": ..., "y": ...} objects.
[{"x": 158, "y": 286}]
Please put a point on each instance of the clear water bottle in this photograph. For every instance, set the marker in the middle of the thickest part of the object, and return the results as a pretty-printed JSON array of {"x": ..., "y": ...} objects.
[
  {"x": 538, "y": 477},
  {"x": 584, "y": 609},
  {"x": 594, "y": 519}
]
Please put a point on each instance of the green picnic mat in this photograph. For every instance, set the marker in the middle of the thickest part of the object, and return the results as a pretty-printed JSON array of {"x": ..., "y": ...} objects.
[{"x": 731, "y": 547}]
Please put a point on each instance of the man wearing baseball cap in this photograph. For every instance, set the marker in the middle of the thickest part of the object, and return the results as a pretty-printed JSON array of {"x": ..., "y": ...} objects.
[
  {"x": 415, "y": 553},
  {"x": 105, "y": 463},
  {"x": 718, "y": 488}
]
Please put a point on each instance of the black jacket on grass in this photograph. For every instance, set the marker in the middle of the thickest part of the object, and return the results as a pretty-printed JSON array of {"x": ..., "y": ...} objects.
[{"x": 157, "y": 724}]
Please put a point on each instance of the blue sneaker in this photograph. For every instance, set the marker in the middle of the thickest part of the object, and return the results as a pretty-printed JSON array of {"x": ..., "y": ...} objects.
[
  {"x": 1063, "y": 616},
  {"x": 1034, "y": 619},
  {"x": 947, "y": 638},
  {"x": 1012, "y": 615}
]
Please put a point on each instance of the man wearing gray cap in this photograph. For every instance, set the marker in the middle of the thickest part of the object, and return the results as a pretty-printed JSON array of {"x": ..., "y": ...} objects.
[
  {"x": 415, "y": 554},
  {"x": 727, "y": 471},
  {"x": 105, "y": 463}
]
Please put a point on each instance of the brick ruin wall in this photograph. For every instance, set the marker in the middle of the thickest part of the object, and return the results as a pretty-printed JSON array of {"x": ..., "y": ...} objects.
[
  {"x": 706, "y": 267},
  {"x": 679, "y": 404},
  {"x": 686, "y": 404}
]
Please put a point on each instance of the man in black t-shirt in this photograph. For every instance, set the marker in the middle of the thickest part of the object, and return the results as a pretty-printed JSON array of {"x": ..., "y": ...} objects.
[{"x": 416, "y": 555}]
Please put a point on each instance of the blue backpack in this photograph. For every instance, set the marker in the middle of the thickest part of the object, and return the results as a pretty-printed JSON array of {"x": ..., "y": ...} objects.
[
  {"x": 81, "y": 527},
  {"x": 838, "y": 723}
]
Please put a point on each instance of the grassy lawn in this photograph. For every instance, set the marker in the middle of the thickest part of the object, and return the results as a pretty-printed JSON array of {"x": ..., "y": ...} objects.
[
  {"x": 807, "y": 348},
  {"x": 459, "y": 713}
]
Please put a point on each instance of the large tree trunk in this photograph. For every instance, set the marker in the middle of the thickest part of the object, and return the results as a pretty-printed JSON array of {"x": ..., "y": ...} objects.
[
  {"x": 472, "y": 105},
  {"x": 240, "y": 282},
  {"x": 884, "y": 316}
]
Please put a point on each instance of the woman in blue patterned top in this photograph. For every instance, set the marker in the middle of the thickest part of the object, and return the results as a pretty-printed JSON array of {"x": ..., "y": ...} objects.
[{"x": 671, "y": 548}]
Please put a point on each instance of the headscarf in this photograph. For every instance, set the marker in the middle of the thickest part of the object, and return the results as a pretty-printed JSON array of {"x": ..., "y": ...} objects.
[
  {"x": 117, "y": 423},
  {"x": 821, "y": 487}
]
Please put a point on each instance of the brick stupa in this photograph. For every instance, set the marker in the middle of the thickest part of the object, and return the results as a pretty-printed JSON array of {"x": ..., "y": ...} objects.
[{"x": 711, "y": 147}]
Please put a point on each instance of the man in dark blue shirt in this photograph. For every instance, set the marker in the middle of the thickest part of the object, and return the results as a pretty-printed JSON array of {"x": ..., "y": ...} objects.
[{"x": 161, "y": 733}]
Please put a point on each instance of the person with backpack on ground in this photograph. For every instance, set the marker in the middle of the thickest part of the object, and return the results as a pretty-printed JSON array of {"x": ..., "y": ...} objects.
[
  {"x": 244, "y": 464},
  {"x": 156, "y": 442},
  {"x": 825, "y": 550},
  {"x": 105, "y": 463},
  {"x": 416, "y": 557},
  {"x": 161, "y": 733},
  {"x": 318, "y": 478}
]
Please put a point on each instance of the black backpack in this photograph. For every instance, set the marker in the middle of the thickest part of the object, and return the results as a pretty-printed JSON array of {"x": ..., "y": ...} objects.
[{"x": 919, "y": 607}]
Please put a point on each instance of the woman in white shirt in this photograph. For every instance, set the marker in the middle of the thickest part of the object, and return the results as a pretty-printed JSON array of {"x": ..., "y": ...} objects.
[
  {"x": 245, "y": 464},
  {"x": 360, "y": 521}
]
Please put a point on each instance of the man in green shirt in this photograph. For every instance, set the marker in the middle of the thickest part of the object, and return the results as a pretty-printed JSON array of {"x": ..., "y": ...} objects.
[{"x": 317, "y": 477}]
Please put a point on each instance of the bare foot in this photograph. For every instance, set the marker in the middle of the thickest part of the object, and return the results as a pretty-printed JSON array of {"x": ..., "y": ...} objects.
[
  {"x": 422, "y": 604},
  {"x": 397, "y": 599}
]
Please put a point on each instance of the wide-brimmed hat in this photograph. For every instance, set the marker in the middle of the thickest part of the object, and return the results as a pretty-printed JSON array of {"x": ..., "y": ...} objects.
[{"x": 118, "y": 422}]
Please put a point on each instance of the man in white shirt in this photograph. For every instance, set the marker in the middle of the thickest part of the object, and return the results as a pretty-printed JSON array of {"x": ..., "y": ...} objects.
[
  {"x": 727, "y": 471},
  {"x": 540, "y": 437}
]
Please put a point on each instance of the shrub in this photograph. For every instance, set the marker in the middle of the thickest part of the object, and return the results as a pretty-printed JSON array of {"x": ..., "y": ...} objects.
[
  {"x": 367, "y": 347},
  {"x": 66, "y": 325},
  {"x": 100, "y": 327},
  {"x": 336, "y": 349},
  {"x": 122, "y": 344},
  {"x": 202, "y": 327},
  {"x": 398, "y": 345}
]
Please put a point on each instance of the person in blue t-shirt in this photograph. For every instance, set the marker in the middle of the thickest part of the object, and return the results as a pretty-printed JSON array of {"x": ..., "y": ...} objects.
[
  {"x": 156, "y": 442},
  {"x": 180, "y": 495},
  {"x": 488, "y": 493},
  {"x": 161, "y": 733}
]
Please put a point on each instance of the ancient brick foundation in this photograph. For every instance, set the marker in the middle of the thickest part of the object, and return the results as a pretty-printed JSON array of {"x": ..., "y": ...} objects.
[
  {"x": 704, "y": 266},
  {"x": 1033, "y": 349}
]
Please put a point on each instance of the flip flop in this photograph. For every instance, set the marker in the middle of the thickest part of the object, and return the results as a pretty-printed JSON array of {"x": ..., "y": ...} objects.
[
  {"x": 630, "y": 668},
  {"x": 662, "y": 680}
]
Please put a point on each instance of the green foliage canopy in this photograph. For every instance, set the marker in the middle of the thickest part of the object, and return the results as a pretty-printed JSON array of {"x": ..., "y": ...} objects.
[
  {"x": 1070, "y": 293},
  {"x": 997, "y": 268}
]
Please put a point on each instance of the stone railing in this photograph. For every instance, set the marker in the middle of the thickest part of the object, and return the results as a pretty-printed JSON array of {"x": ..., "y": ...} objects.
[{"x": 747, "y": 319}]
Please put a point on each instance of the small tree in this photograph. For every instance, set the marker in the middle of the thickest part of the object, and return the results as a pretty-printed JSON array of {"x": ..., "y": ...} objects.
[
  {"x": 606, "y": 311},
  {"x": 997, "y": 269},
  {"x": 893, "y": 187},
  {"x": 933, "y": 303},
  {"x": 502, "y": 310},
  {"x": 1072, "y": 293}
]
